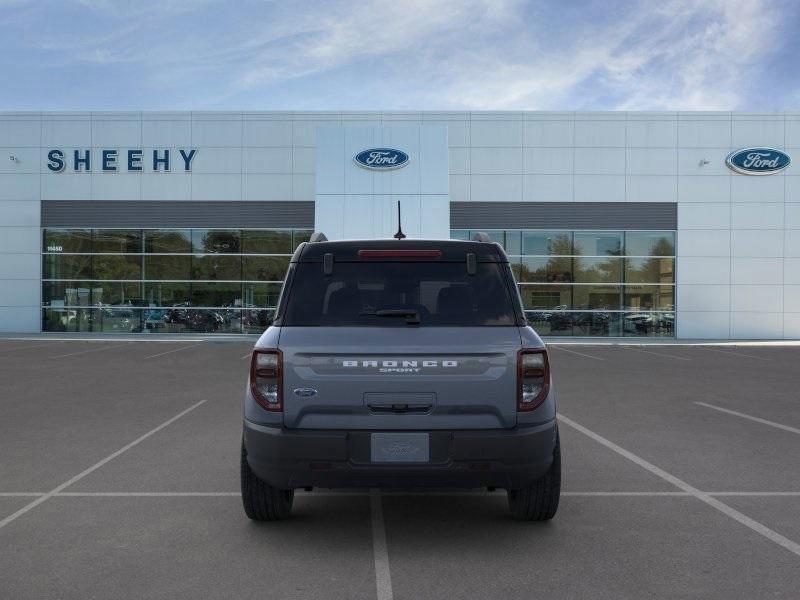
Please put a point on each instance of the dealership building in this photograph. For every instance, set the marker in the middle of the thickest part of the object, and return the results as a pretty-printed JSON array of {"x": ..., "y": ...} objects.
[{"x": 618, "y": 224}]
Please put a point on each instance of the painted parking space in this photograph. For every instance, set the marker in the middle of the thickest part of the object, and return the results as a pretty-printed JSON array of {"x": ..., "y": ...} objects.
[{"x": 141, "y": 462}]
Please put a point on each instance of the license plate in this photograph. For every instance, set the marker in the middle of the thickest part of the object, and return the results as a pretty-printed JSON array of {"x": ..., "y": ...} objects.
[{"x": 400, "y": 447}]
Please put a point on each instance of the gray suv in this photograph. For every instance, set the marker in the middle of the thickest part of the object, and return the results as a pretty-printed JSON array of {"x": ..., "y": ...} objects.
[{"x": 400, "y": 364}]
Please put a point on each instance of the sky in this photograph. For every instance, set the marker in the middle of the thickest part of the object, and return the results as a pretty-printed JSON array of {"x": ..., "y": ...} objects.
[{"x": 400, "y": 55}]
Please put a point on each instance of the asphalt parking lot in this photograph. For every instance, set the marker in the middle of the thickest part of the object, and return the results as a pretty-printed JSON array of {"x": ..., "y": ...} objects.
[{"x": 119, "y": 479}]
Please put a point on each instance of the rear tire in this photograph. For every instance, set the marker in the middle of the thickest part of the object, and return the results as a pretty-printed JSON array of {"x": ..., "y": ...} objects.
[
  {"x": 539, "y": 501},
  {"x": 261, "y": 501}
]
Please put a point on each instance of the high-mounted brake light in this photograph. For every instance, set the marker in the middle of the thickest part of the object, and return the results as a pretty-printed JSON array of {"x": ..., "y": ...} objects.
[
  {"x": 266, "y": 378},
  {"x": 399, "y": 253},
  {"x": 533, "y": 378}
]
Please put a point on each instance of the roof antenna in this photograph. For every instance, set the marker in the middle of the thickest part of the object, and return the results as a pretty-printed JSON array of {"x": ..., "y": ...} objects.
[{"x": 399, "y": 235}]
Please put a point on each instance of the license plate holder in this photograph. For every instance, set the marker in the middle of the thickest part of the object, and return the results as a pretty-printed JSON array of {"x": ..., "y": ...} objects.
[{"x": 400, "y": 447}]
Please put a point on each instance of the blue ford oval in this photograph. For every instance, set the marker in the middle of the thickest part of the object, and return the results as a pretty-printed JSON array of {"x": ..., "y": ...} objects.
[
  {"x": 758, "y": 161},
  {"x": 381, "y": 159}
]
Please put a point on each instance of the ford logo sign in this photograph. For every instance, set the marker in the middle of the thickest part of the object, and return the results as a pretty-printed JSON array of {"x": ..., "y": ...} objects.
[
  {"x": 381, "y": 159},
  {"x": 305, "y": 392},
  {"x": 758, "y": 161}
]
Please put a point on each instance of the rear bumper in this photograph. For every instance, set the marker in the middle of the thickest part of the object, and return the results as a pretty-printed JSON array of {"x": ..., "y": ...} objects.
[{"x": 504, "y": 458}]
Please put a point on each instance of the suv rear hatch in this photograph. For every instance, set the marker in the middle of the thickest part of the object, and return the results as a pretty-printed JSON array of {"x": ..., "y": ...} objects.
[{"x": 421, "y": 339}]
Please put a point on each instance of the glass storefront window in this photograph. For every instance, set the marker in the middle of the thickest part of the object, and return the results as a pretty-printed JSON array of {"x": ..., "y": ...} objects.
[
  {"x": 545, "y": 243},
  {"x": 649, "y": 297},
  {"x": 168, "y": 241},
  {"x": 67, "y": 240},
  {"x": 545, "y": 297},
  {"x": 545, "y": 270},
  {"x": 160, "y": 267},
  {"x": 216, "y": 267},
  {"x": 650, "y": 243},
  {"x": 596, "y": 297},
  {"x": 225, "y": 241},
  {"x": 598, "y": 270},
  {"x": 117, "y": 241},
  {"x": 267, "y": 242},
  {"x": 106, "y": 266},
  {"x": 67, "y": 266},
  {"x": 650, "y": 270},
  {"x": 598, "y": 243},
  {"x": 164, "y": 280},
  {"x": 265, "y": 268}
]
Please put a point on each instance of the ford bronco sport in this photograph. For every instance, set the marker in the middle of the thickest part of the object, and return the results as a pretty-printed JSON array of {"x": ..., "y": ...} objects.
[{"x": 400, "y": 364}]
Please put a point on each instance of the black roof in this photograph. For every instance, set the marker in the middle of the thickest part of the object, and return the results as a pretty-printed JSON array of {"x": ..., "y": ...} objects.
[{"x": 452, "y": 250}]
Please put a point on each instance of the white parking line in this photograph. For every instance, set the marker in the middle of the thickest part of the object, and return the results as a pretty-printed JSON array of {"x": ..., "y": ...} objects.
[
  {"x": 734, "y": 514},
  {"x": 380, "y": 552},
  {"x": 573, "y": 352},
  {"x": 94, "y": 467},
  {"x": 171, "y": 351},
  {"x": 90, "y": 350},
  {"x": 657, "y": 353},
  {"x": 248, "y": 355},
  {"x": 751, "y": 418},
  {"x": 742, "y": 354}
]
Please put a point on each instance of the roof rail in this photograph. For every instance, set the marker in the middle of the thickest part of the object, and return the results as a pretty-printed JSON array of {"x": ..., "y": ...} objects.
[
  {"x": 480, "y": 236},
  {"x": 317, "y": 236}
]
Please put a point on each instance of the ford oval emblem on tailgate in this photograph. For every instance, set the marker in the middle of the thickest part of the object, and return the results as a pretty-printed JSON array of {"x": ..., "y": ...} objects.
[{"x": 305, "y": 392}]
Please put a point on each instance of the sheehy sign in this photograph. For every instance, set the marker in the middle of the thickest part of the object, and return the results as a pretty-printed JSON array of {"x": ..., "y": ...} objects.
[{"x": 134, "y": 160}]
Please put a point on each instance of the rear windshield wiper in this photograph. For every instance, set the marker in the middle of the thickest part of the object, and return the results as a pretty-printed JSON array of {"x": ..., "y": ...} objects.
[{"x": 411, "y": 315}]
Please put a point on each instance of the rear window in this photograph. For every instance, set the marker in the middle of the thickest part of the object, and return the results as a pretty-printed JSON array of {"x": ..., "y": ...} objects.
[{"x": 387, "y": 294}]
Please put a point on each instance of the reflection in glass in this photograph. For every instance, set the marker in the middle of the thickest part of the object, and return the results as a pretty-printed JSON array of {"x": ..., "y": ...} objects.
[
  {"x": 217, "y": 267},
  {"x": 267, "y": 242},
  {"x": 598, "y": 270},
  {"x": 225, "y": 241},
  {"x": 598, "y": 243},
  {"x": 116, "y": 267},
  {"x": 543, "y": 297},
  {"x": 119, "y": 241},
  {"x": 261, "y": 294},
  {"x": 265, "y": 268},
  {"x": 650, "y": 243},
  {"x": 70, "y": 266},
  {"x": 650, "y": 270},
  {"x": 67, "y": 240},
  {"x": 216, "y": 294},
  {"x": 167, "y": 240},
  {"x": 552, "y": 323},
  {"x": 649, "y": 297},
  {"x": 596, "y": 297},
  {"x": 590, "y": 324},
  {"x": 167, "y": 293},
  {"x": 545, "y": 270},
  {"x": 545, "y": 243},
  {"x": 175, "y": 267},
  {"x": 646, "y": 324}
]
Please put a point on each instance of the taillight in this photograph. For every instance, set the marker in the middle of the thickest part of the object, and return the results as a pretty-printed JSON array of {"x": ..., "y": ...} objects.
[
  {"x": 266, "y": 378},
  {"x": 533, "y": 378}
]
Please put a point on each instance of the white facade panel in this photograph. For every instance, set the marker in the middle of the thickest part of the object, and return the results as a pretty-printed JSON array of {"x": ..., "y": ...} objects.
[
  {"x": 757, "y": 215},
  {"x": 758, "y": 132},
  {"x": 704, "y": 270},
  {"x": 704, "y": 188},
  {"x": 756, "y": 243},
  {"x": 496, "y": 161},
  {"x": 496, "y": 134},
  {"x": 704, "y": 297},
  {"x": 20, "y": 292},
  {"x": 600, "y": 161},
  {"x": 756, "y": 325},
  {"x": 661, "y": 133},
  {"x": 599, "y": 133},
  {"x": 114, "y": 186},
  {"x": 268, "y": 160},
  {"x": 546, "y": 188},
  {"x": 20, "y": 133},
  {"x": 16, "y": 319},
  {"x": 704, "y": 242},
  {"x": 548, "y": 161},
  {"x": 695, "y": 133},
  {"x": 706, "y": 215},
  {"x": 758, "y": 189},
  {"x": 166, "y": 186},
  {"x": 116, "y": 134},
  {"x": 761, "y": 271},
  {"x": 266, "y": 186},
  {"x": 651, "y": 188},
  {"x": 546, "y": 133},
  {"x": 712, "y": 325},
  {"x": 599, "y": 188},
  {"x": 754, "y": 298},
  {"x": 16, "y": 186},
  {"x": 491, "y": 188},
  {"x": 652, "y": 161},
  {"x": 166, "y": 133}
]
